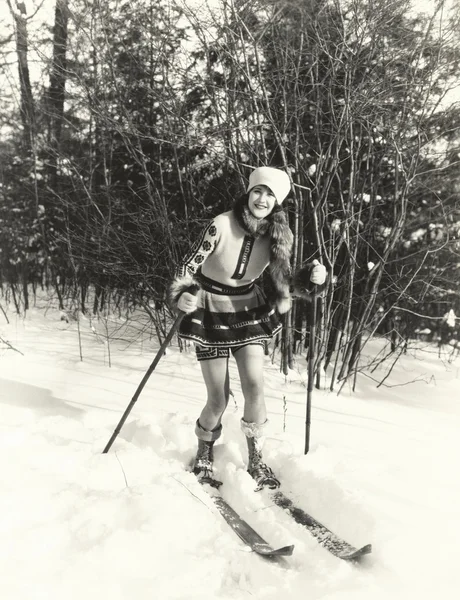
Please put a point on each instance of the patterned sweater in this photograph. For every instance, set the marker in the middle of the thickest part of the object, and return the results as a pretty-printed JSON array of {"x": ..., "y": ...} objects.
[
  {"x": 234, "y": 250},
  {"x": 225, "y": 253}
]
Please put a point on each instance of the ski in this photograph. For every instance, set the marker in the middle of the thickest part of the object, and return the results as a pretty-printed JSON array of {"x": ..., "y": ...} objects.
[
  {"x": 327, "y": 538},
  {"x": 242, "y": 529}
]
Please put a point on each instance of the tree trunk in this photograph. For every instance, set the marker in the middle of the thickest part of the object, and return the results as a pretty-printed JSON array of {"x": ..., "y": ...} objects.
[
  {"x": 56, "y": 92},
  {"x": 27, "y": 108}
]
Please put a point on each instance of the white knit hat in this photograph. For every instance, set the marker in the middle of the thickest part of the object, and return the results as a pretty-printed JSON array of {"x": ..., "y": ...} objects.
[{"x": 275, "y": 179}]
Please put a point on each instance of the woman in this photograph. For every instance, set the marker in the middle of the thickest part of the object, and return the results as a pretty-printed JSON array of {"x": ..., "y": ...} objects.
[{"x": 230, "y": 313}]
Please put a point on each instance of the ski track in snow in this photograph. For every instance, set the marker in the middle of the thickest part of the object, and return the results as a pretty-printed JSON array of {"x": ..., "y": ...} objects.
[{"x": 134, "y": 524}]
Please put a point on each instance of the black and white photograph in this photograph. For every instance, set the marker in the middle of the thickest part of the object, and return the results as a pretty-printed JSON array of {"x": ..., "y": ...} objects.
[{"x": 229, "y": 299}]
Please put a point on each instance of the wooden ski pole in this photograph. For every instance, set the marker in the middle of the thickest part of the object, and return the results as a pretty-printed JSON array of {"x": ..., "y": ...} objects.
[
  {"x": 156, "y": 360},
  {"x": 311, "y": 367}
]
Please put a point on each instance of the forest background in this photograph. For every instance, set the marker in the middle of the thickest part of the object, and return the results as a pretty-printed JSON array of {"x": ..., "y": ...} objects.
[{"x": 126, "y": 125}]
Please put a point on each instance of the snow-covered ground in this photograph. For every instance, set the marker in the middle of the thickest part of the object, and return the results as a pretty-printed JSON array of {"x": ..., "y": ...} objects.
[{"x": 383, "y": 468}]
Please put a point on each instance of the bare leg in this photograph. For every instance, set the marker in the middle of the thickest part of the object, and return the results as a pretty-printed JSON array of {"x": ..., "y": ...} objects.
[
  {"x": 250, "y": 361},
  {"x": 216, "y": 378}
]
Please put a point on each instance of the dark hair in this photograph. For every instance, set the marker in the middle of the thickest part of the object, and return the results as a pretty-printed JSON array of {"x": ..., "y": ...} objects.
[{"x": 243, "y": 199}]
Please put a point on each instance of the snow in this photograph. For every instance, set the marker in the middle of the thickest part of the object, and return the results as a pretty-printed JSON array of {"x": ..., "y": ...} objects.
[
  {"x": 450, "y": 318},
  {"x": 134, "y": 524}
]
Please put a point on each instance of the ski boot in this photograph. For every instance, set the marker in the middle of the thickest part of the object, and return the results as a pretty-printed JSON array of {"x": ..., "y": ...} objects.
[
  {"x": 258, "y": 470},
  {"x": 203, "y": 463}
]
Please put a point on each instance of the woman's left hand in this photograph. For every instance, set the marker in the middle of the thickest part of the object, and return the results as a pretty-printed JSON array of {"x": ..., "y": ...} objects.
[{"x": 318, "y": 273}]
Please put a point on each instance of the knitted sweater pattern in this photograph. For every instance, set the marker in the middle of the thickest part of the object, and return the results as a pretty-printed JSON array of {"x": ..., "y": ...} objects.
[
  {"x": 235, "y": 248},
  {"x": 227, "y": 254}
]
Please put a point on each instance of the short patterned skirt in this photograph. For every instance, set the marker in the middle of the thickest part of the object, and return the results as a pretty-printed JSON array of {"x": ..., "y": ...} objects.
[{"x": 230, "y": 316}]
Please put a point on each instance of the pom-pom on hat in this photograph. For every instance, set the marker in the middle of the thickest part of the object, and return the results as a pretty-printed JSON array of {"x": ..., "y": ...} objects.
[{"x": 275, "y": 179}]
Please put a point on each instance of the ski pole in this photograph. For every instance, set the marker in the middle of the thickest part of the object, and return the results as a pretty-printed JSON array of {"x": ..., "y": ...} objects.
[
  {"x": 311, "y": 367},
  {"x": 192, "y": 290}
]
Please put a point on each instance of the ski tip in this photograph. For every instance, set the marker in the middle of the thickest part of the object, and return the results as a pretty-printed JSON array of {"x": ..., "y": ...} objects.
[
  {"x": 357, "y": 554},
  {"x": 285, "y": 551},
  {"x": 272, "y": 552},
  {"x": 367, "y": 549}
]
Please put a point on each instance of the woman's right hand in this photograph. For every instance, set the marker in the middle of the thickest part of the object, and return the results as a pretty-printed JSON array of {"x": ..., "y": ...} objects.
[{"x": 187, "y": 302}]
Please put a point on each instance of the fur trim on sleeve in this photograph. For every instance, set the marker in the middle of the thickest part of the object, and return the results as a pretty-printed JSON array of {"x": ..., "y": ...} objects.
[
  {"x": 283, "y": 304},
  {"x": 180, "y": 285}
]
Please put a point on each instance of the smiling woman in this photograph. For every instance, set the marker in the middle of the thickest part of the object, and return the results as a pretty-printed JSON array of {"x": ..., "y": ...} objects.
[
  {"x": 231, "y": 314},
  {"x": 261, "y": 201},
  {"x": 233, "y": 251}
]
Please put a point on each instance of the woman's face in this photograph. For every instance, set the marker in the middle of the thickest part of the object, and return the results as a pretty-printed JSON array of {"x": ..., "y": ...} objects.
[{"x": 261, "y": 201}]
